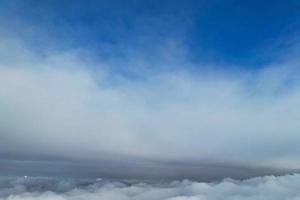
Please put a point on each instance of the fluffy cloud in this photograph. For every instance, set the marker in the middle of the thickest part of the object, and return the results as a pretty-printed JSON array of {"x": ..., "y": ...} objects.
[{"x": 269, "y": 187}]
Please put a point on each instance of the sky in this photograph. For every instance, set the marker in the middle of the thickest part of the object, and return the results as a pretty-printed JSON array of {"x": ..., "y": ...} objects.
[{"x": 149, "y": 89}]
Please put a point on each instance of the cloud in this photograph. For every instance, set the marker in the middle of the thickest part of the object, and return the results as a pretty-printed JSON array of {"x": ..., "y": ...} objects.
[
  {"x": 268, "y": 187},
  {"x": 65, "y": 106}
]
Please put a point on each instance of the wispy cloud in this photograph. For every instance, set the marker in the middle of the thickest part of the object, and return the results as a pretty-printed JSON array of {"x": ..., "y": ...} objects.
[{"x": 60, "y": 104}]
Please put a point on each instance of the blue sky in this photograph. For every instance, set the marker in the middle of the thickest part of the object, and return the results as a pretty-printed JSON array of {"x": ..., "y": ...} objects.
[{"x": 244, "y": 33}]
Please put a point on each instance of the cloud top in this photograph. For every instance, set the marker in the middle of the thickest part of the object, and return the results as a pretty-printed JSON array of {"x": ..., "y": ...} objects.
[{"x": 269, "y": 187}]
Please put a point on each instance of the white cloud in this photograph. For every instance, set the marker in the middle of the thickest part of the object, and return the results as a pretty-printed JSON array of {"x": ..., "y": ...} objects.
[
  {"x": 270, "y": 187},
  {"x": 62, "y": 106}
]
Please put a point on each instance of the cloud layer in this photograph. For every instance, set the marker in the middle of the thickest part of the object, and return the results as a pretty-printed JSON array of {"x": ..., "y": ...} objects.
[
  {"x": 270, "y": 187},
  {"x": 64, "y": 106}
]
